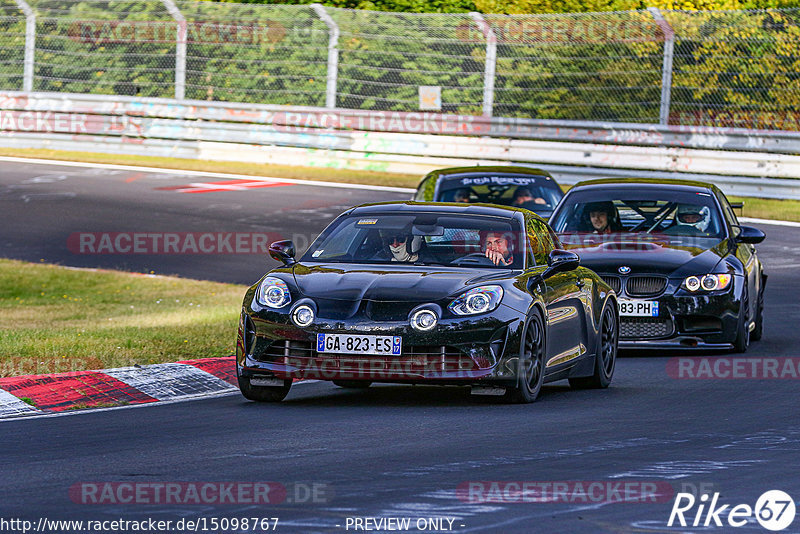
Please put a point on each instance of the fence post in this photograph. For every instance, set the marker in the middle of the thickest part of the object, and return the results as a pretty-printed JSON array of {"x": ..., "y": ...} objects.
[
  {"x": 491, "y": 62},
  {"x": 180, "y": 49},
  {"x": 666, "y": 69},
  {"x": 30, "y": 44},
  {"x": 333, "y": 54}
]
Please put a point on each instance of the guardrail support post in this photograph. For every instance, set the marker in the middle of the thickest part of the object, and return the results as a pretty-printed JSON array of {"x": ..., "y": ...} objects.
[
  {"x": 491, "y": 62},
  {"x": 180, "y": 49},
  {"x": 30, "y": 44},
  {"x": 666, "y": 69},
  {"x": 333, "y": 54}
]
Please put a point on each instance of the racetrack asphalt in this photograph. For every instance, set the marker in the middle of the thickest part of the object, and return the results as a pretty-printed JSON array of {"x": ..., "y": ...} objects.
[{"x": 389, "y": 451}]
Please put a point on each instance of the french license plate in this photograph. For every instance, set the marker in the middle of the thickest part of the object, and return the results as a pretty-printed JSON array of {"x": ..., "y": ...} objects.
[
  {"x": 359, "y": 344},
  {"x": 638, "y": 308}
]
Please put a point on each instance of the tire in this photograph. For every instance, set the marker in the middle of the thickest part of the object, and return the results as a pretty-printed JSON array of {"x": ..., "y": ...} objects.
[
  {"x": 530, "y": 365},
  {"x": 353, "y": 384},
  {"x": 262, "y": 393},
  {"x": 606, "y": 358},
  {"x": 758, "y": 331},
  {"x": 742, "y": 340}
]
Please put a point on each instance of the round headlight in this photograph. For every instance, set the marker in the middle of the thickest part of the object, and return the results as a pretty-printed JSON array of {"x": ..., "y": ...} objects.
[
  {"x": 424, "y": 320},
  {"x": 692, "y": 283},
  {"x": 478, "y": 302},
  {"x": 709, "y": 282},
  {"x": 273, "y": 292},
  {"x": 303, "y": 315}
]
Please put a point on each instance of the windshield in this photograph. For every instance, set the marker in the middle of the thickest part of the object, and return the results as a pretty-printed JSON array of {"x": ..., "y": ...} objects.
[
  {"x": 536, "y": 193},
  {"x": 421, "y": 239},
  {"x": 665, "y": 214}
]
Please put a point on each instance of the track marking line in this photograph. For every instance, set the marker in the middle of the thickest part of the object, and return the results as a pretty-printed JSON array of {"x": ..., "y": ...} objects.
[{"x": 136, "y": 168}]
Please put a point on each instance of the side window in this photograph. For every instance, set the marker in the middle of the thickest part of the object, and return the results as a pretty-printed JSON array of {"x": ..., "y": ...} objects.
[
  {"x": 554, "y": 239},
  {"x": 426, "y": 189},
  {"x": 730, "y": 216},
  {"x": 537, "y": 245},
  {"x": 546, "y": 238}
]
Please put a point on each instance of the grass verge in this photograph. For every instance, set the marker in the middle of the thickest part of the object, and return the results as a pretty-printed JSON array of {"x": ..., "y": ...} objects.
[
  {"x": 761, "y": 208},
  {"x": 57, "y": 319}
]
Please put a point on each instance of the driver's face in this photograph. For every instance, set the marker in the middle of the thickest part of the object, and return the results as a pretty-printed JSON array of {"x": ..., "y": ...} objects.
[
  {"x": 690, "y": 218},
  {"x": 497, "y": 243},
  {"x": 599, "y": 219}
]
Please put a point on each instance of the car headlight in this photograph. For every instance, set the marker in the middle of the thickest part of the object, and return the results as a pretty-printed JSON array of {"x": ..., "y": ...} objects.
[
  {"x": 707, "y": 282},
  {"x": 424, "y": 320},
  {"x": 303, "y": 316},
  {"x": 273, "y": 293},
  {"x": 477, "y": 300}
]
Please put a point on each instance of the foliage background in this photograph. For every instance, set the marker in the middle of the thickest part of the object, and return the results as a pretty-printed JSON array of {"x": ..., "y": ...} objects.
[{"x": 731, "y": 67}]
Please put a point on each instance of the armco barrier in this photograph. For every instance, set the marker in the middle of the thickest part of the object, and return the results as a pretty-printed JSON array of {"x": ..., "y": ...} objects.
[{"x": 744, "y": 162}]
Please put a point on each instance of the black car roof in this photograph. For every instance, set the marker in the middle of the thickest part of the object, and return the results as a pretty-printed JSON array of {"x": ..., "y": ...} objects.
[
  {"x": 645, "y": 183},
  {"x": 453, "y": 172},
  {"x": 457, "y": 208}
]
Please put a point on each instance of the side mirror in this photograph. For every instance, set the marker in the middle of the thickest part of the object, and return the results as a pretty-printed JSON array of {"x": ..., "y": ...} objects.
[
  {"x": 748, "y": 234},
  {"x": 283, "y": 251},
  {"x": 558, "y": 261}
]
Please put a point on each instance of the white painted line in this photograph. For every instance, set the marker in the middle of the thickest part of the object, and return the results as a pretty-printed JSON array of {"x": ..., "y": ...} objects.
[
  {"x": 224, "y": 175},
  {"x": 11, "y": 406},
  {"x": 164, "y": 381},
  {"x": 770, "y": 221}
]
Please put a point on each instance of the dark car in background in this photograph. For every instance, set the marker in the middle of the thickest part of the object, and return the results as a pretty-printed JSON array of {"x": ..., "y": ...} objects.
[
  {"x": 506, "y": 185},
  {"x": 406, "y": 293},
  {"x": 686, "y": 272}
]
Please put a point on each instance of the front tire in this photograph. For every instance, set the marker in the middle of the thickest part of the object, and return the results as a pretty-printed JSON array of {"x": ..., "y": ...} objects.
[
  {"x": 758, "y": 331},
  {"x": 530, "y": 365},
  {"x": 262, "y": 393},
  {"x": 606, "y": 357},
  {"x": 742, "y": 340}
]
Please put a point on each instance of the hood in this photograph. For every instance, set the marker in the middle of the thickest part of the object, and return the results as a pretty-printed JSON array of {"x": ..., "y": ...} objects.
[
  {"x": 383, "y": 293},
  {"x": 387, "y": 283},
  {"x": 666, "y": 257}
]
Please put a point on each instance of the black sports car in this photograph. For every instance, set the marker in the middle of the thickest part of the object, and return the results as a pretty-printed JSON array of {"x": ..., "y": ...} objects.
[
  {"x": 506, "y": 185},
  {"x": 435, "y": 293},
  {"x": 686, "y": 272}
]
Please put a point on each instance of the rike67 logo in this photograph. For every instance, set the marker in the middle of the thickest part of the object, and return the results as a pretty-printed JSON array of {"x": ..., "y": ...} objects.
[{"x": 774, "y": 510}]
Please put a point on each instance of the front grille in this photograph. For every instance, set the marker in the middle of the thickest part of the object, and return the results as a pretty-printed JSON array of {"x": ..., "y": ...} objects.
[
  {"x": 644, "y": 328},
  {"x": 278, "y": 350},
  {"x": 613, "y": 281},
  {"x": 415, "y": 360},
  {"x": 645, "y": 286}
]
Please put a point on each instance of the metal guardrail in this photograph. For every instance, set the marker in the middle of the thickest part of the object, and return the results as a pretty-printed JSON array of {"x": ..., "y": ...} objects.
[{"x": 742, "y": 162}]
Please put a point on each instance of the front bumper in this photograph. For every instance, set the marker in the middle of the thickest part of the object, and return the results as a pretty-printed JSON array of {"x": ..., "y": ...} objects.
[
  {"x": 685, "y": 321},
  {"x": 469, "y": 350}
]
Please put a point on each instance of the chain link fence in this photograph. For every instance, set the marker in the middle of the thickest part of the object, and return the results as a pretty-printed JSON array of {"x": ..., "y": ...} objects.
[{"x": 712, "y": 68}]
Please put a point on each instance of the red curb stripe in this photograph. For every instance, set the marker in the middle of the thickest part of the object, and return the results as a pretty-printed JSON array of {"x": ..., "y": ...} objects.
[
  {"x": 60, "y": 392},
  {"x": 223, "y": 368}
]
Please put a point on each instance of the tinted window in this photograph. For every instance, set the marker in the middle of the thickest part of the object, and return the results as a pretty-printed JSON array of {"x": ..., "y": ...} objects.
[
  {"x": 420, "y": 238},
  {"x": 664, "y": 212},
  {"x": 529, "y": 192}
]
